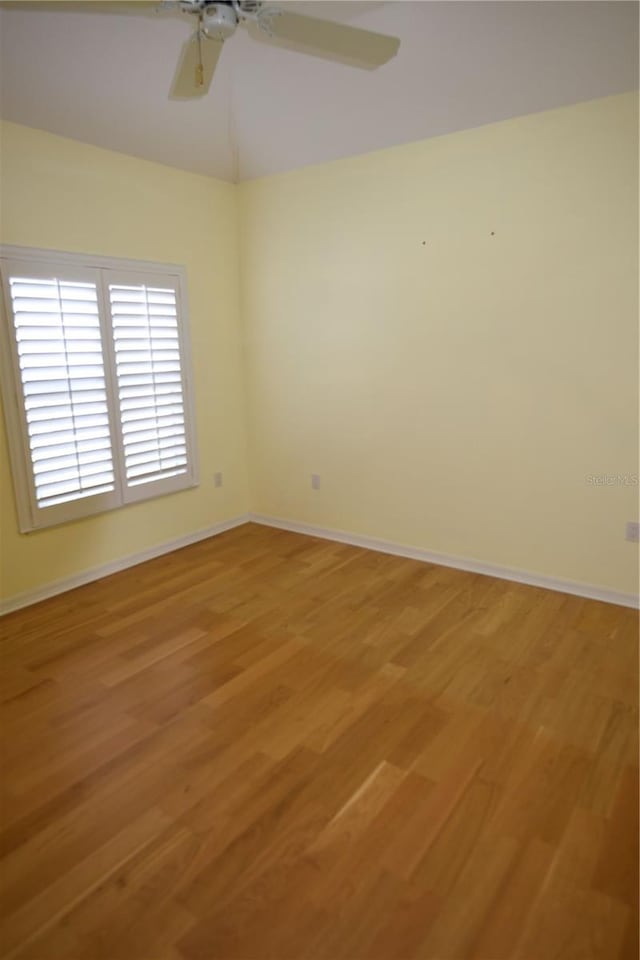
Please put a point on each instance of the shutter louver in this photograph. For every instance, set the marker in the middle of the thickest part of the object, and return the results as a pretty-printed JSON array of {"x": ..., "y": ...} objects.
[
  {"x": 149, "y": 376},
  {"x": 58, "y": 339}
]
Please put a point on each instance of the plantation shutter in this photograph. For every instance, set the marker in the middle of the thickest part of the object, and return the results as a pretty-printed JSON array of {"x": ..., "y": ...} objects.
[
  {"x": 60, "y": 361},
  {"x": 98, "y": 403},
  {"x": 150, "y": 380}
]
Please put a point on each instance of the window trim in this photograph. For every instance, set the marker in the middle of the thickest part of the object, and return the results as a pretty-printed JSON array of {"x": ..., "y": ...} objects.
[{"x": 30, "y": 516}]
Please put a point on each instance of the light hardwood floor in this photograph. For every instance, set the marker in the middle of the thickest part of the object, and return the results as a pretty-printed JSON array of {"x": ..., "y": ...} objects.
[{"x": 271, "y": 746}]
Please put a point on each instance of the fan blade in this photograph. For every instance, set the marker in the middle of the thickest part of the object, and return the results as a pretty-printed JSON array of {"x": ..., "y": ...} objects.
[
  {"x": 190, "y": 80},
  {"x": 144, "y": 8},
  {"x": 323, "y": 38}
]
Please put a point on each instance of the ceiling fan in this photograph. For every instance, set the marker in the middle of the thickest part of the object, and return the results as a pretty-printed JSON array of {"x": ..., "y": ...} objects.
[{"x": 217, "y": 21}]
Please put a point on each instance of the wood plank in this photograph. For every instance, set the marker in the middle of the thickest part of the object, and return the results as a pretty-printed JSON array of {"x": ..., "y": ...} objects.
[{"x": 273, "y": 747}]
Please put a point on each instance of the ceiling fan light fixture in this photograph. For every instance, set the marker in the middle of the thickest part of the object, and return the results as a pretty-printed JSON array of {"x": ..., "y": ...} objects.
[
  {"x": 219, "y": 21},
  {"x": 216, "y": 21}
]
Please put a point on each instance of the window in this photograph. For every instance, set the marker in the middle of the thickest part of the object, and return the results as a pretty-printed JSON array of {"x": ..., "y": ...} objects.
[{"x": 95, "y": 386}]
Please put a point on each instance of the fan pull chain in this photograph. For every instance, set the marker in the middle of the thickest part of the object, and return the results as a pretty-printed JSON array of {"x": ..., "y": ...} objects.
[{"x": 200, "y": 67}]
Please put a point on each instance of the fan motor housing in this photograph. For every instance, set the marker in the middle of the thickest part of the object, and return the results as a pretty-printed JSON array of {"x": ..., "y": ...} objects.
[{"x": 219, "y": 21}]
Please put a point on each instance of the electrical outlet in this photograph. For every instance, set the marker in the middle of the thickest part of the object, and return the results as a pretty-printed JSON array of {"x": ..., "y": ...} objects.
[
  {"x": 217, "y": 479},
  {"x": 632, "y": 531},
  {"x": 315, "y": 481}
]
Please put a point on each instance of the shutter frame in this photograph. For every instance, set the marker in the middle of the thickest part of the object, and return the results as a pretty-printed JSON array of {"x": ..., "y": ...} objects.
[
  {"x": 31, "y": 516},
  {"x": 176, "y": 282},
  {"x": 37, "y": 263}
]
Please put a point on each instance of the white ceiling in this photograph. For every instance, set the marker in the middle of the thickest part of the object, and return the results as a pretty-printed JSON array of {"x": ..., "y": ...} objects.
[{"x": 104, "y": 79}]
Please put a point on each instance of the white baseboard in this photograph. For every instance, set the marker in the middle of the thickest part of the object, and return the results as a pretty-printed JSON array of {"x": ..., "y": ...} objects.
[
  {"x": 29, "y": 597},
  {"x": 459, "y": 563},
  {"x": 368, "y": 543}
]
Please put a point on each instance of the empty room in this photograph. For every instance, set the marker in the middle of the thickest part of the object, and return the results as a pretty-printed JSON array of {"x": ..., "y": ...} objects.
[{"x": 319, "y": 515}]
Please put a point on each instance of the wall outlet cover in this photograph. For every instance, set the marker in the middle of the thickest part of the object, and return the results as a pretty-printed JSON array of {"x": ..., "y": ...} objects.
[{"x": 632, "y": 531}]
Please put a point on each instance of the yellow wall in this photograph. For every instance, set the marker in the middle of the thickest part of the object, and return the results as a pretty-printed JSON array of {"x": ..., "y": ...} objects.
[
  {"x": 447, "y": 333},
  {"x": 64, "y": 195}
]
